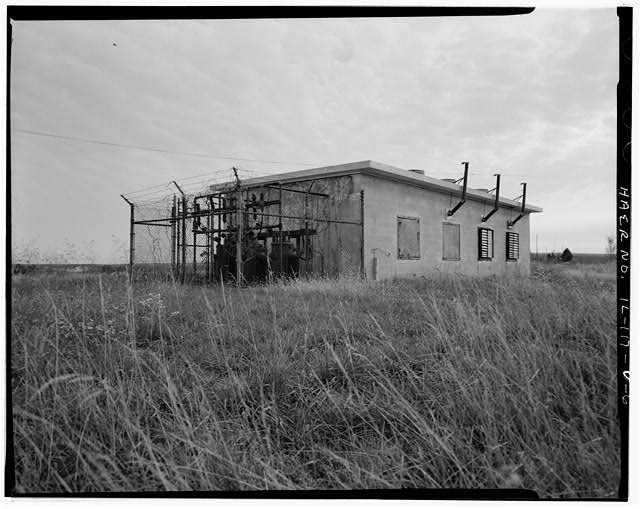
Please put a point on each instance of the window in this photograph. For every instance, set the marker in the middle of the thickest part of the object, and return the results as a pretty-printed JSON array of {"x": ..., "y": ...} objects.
[
  {"x": 485, "y": 244},
  {"x": 450, "y": 241},
  {"x": 408, "y": 238},
  {"x": 513, "y": 246}
]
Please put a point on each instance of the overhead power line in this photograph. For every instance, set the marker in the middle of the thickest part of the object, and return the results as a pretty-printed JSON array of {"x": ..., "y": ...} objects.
[
  {"x": 213, "y": 156},
  {"x": 154, "y": 149}
]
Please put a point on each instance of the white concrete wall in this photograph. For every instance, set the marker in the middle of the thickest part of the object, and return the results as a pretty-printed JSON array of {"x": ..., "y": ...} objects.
[{"x": 385, "y": 200}]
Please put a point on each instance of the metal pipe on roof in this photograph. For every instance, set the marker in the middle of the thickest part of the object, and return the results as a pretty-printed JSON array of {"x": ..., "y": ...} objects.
[
  {"x": 497, "y": 202},
  {"x": 464, "y": 191},
  {"x": 522, "y": 210}
]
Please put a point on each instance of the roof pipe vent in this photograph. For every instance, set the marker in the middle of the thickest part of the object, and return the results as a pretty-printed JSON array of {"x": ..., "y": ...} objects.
[
  {"x": 464, "y": 190},
  {"x": 496, "y": 205},
  {"x": 524, "y": 200},
  {"x": 417, "y": 171}
]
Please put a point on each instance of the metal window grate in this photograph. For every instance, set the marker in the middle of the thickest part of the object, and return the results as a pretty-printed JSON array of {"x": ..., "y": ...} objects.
[
  {"x": 485, "y": 244},
  {"x": 408, "y": 238},
  {"x": 513, "y": 246},
  {"x": 450, "y": 241}
]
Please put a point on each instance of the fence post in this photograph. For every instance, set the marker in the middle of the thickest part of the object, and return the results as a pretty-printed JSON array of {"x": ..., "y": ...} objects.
[
  {"x": 178, "y": 240},
  {"x": 305, "y": 237},
  {"x": 184, "y": 233},
  {"x": 132, "y": 233},
  {"x": 184, "y": 239},
  {"x": 132, "y": 241},
  {"x": 209, "y": 243},
  {"x": 239, "y": 220},
  {"x": 195, "y": 240},
  {"x": 280, "y": 225},
  {"x": 362, "y": 267},
  {"x": 173, "y": 239}
]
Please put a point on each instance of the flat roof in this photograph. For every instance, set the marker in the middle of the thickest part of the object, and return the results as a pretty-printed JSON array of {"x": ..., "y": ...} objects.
[{"x": 381, "y": 170}]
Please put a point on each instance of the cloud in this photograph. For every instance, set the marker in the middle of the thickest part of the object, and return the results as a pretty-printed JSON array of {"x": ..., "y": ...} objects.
[
  {"x": 532, "y": 96},
  {"x": 344, "y": 52}
]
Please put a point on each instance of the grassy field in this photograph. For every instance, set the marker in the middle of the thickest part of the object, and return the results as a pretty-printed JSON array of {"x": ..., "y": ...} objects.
[{"x": 440, "y": 382}]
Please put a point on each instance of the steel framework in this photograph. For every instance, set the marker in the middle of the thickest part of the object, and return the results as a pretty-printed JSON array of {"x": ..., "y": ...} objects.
[{"x": 246, "y": 233}]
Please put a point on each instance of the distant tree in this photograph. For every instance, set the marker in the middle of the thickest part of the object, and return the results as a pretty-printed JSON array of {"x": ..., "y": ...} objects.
[
  {"x": 566, "y": 255},
  {"x": 611, "y": 246}
]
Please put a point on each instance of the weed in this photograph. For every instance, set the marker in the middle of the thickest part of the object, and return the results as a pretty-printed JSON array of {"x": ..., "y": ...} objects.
[{"x": 439, "y": 382}]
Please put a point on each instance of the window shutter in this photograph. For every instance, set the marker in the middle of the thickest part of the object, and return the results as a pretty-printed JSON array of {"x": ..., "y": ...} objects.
[
  {"x": 408, "y": 238},
  {"x": 513, "y": 246},
  {"x": 451, "y": 241},
  {"x": 485, "y": 244}
]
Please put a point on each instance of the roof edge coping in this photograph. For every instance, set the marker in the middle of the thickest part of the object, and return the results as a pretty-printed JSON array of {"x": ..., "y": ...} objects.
[{"x": 377, "y": 169}]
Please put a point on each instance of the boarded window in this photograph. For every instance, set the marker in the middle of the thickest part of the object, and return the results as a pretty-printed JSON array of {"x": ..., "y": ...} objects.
[
  {"x": 450, "y": 241},
  {"x": 513, "y": 246},
  {"x": 408, "y": 238},
  {"x": 485, "y": 244}
]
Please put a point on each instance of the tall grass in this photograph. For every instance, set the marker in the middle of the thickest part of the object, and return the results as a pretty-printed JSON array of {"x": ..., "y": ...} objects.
[{"x": 444, "y": 382}]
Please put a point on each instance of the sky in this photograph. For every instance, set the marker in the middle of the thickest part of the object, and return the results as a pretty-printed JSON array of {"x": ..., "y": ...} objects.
[{"x": 532, "y": 97}]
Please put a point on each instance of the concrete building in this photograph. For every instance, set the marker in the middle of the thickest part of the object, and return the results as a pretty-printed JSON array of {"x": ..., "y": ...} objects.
[{"x": 408, "y": 229}]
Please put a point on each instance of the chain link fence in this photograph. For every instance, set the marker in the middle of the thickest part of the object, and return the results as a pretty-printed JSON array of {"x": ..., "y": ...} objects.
[{"x": 250, "y": 233}]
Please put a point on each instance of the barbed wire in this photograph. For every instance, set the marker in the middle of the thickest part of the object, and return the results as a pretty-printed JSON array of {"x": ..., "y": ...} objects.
[{"x": 191, "y": 185}]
